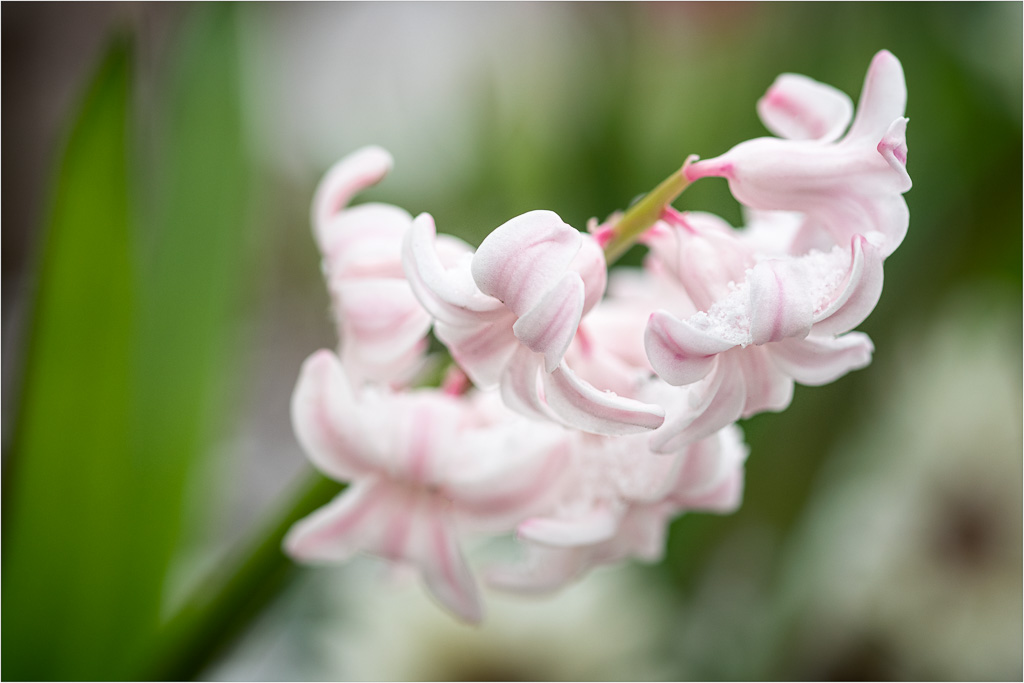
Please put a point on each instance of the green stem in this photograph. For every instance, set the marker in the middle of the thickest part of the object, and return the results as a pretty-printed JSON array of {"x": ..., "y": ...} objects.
[
  {"x": 224, "y": 605},
  {"x": 642, "y": 215}
]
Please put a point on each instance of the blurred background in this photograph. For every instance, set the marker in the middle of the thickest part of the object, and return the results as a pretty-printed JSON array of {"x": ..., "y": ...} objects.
[{"x": 161, "y": 288}]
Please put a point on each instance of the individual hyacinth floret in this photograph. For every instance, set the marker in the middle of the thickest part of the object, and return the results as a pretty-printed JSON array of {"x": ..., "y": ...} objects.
[{"x": 583, "y": 410}]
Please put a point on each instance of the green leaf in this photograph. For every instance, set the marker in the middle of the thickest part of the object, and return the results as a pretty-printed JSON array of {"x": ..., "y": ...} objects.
[
  {"x": 195, "y": 252},
  {"x": 130, "y": 345},
  {"x": 68, "y": 596}
]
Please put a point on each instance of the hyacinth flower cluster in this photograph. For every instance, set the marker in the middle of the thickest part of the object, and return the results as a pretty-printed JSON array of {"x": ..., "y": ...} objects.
[{"x": 583, "y": 409}]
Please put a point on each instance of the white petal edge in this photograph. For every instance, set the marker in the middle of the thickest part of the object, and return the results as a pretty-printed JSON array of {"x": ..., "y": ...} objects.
[
  {"x": 348, "y": 177},
  {"x": 800, "y": 108},
  {"x": 580, "y": 405}
]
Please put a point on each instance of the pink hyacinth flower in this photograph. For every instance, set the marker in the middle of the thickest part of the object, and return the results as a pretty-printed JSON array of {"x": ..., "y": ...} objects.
[
  {"x": 509, "y": 313},
  {"x": 846, "y": 187},
  {"x": 382, "y": 328},
  {"x": 425, "y": 468},
  {"x": 754, "y": 335}
]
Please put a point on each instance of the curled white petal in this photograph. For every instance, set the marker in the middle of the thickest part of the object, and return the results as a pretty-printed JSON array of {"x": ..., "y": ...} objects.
[{"x": 799, "y": 108}]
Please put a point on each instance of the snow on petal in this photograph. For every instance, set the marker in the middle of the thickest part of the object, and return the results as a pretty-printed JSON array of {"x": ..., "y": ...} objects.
[
  {"x": 849, "y": 303},
  {"x": 702, "y": 251},
  {"x": 680, "y": 352},
  {"x": 799, "y": 108}
]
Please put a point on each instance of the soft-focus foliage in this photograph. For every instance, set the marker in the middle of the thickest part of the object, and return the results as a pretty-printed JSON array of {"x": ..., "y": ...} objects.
[{"x": 127, "y": 483}]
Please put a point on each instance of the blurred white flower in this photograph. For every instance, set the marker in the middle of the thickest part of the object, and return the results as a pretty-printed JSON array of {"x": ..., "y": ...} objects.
[
  {"x": 606, "y": 628},
  {"x": 347, "y": 624},
  {"x": 912, "y": 550}
]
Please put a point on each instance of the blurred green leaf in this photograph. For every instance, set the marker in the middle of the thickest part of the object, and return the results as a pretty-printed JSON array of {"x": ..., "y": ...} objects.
[
  {"x": 194, "y": 251},
  {"x": 135, "y": 311},
  {"x": 71, "y": 603}
]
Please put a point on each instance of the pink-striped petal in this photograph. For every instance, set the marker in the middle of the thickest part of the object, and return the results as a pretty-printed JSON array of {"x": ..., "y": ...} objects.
[
  {"x": 882, "y": 100},
  {"x": 592, "y": 267},
  {"x": 580, "y": 405},
  {"x": 893, "y": 148},
  {"x": 767, "y": 388},
  {"x": 781, "y": 303},
  {"x": 435, "y": 551},
  {"x": 523, "y": 258},
  {"x": 859, "y": 292},
  {"x": 520, "y": 385},
  {"x": 723, "y": 499},
  {"x": 549, "y": 327},
  {"x": 381, "y": 320},
  {"x": 449, "y": 294},
  {"x": 365, "y": 241},
  {"x": 597, "y": 525},
  {"x": 720, "y": 399},
  {"x": 481, "y": 349},
  {"x": 708, "y": 463},
  {"x": 386, "y": 519},
  {"x": 322, "y": 415},
  {"x": 679, "y": 352},
  {"x": 338, "y": 530},
  {"x": 799, "y": 108},
  {"x": 817, "y": 360},
  {"x": 506, "y": 475},
  {"x": 347, "y": 178}
]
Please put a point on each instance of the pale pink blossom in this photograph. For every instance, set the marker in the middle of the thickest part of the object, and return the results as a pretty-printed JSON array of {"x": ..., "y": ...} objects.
[
  {"x": 618, "y": 496},
  {"x": 509, "y": 312},
  {"x": 650, "y": 399},
  {"x": 617, "y": 502},
  {"x": 846, "y": 187},
  {"x": 760, "y": 325},
  {"x": 382, "y": 328},
  {"x": 425, "y": 468}
]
